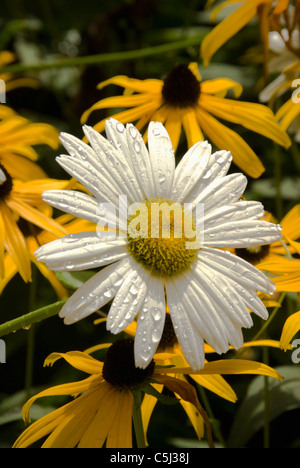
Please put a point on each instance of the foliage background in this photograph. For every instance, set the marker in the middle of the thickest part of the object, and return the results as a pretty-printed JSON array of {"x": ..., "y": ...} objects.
[{"x": 56, "y": 29}]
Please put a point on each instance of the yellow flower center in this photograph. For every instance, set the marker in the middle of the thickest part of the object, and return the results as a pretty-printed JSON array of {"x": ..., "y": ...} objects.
[{"x": 162, "y": 236}]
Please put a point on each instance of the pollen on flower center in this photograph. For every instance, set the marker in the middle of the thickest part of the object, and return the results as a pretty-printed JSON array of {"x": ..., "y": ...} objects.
[
  {"x": 119, "y": 366},
  {"x": 162, "y": 237},
  {"x": 6, "y": 183},
  {"x": 181, "y": 87}
]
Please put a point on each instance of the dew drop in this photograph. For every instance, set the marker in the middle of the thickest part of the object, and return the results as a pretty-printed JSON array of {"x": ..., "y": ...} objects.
[
  {"x": 120, "y": 127},
  {"x": 137, "y": 146},
  {"x": 133, "y": 131}
]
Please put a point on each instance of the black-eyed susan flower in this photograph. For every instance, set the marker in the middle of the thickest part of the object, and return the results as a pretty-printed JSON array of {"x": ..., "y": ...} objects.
[
  {"x": 169, "y": 354},
  {"x": 101, "y": 412},
  {"x": 267, "y": 11},
  {"x": 183, "y": 100},
  {"x": 18, "y": 136},
  {"x": 278, "y": 258},
  {"x": 35, "y": 237},
  {"x": 170, "y": 227},
  {"x": 21, "y": 202}
]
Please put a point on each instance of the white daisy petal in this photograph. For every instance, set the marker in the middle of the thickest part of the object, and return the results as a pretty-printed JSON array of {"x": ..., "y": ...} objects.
[
  {"x": 116, "y": 163},
  {"x": 190, "y": 170},
  {"x": 73, "y": 202},
  {"x": 239, "y": 211},
  {"x": 241, "y": 234},
  {"x": 116, "y": 134},
  {"x": 216, "y": 168},
  {"x": 231, "y": 305},
  {"x": 128, "y": 300},
  {"x": 82, "y": 250},
  {"x": 95, "y": 293},
  {"x": 150, "y": 323},
  {"x": 189, "y": 337},
  {"x": 210, "y": 293},
  {"x": 235, "y": 267},
  {"x": 140, "y": 161},
  {"x": 162, "y": 158},
  {"x": 90, "y": 179},
  {"x": 222, "y": 191},
  {"x": 86, "y": 207},
  {"x": 205, "y": 318}
]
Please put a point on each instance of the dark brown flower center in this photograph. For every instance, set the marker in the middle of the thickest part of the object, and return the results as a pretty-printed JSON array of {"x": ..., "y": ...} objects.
[
  {"x": 181, "y": 87},
  {"x": 168, "y": 339},
  {"x": 119, "y": 366},
  {"x": 253, "y": 254},
  {"x": 5, "y": 185}
]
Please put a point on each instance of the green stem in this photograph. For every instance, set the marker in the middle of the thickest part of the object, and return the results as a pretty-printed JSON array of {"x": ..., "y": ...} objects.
[
  {"x": 213, "y": 421},
  {"x": 25, "y": 321},
  {"x": 137, "y": 420},
  {"x": 271, "y": 317},
  {"x": 267, "y": 403},
  {"x": 277, "y": 180},
  {"x": 30, "y": 335},
  {"x": 104, "y": 58}
]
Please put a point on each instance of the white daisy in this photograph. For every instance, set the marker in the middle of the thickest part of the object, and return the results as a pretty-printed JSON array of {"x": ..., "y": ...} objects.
[{"x": 209, "y": 291}]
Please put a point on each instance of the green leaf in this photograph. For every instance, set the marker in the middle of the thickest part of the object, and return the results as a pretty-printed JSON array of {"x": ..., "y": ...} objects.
[
  {"x": 283, "y": 396},
  {"x": 75, "y": 279},
  {"x": 11, "y": 407},
  {"x": 164, "y": 399}
]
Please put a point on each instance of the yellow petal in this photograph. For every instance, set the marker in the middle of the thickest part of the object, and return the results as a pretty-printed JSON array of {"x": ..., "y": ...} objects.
[
  {"x": 280, "y": 7},
  {"x": 131, "y": 115},
  {"x": 221, "y": 86},
  {"x": 77, "y": 359},
  {"x": 287, "y": 113},
  {"x": 106, "y": 411},
  {"x": 230, "y": 366},
  {"x": 290, "y": 328},
  {"x": 15, "y": 243},
  {"x": 120, "y": 434},
  {"x": 220, "y": 34},
  {"x": 173, "y": 127},
  {"x": 147, "y": 407},
  {"x": 217, "y": 385},
  {"x": 256, "y": 117},
  {"x": 191, "y": 127},
  {"x": 139, "y": 86},
  {"x": 287, "y": 283},
  {"x": 291, "y": 223},
  {"x": 20, "y": 167},
  {"x": 2, "y": 227},
  {"x": 72, "y": 388},
  {"x": 117, "y": 101},
  {"x": 226, "y": 139},
  {"x": 10, "y": 270},
  {"x": 36, "y": 217}
]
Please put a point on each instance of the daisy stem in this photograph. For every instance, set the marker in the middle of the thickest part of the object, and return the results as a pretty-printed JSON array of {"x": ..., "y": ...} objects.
[
  {"x": 277, "y": 180},
  {"x": 26, "y": 320},
  {"x": 271, "y": 317},
  {"x": 109, "y": 57},
  {"x": 214, "y": 422},
  {"x": 30, "y": 335},
  {"x": 137, "y": 419},
  {"x": 266, "y": 402}
]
